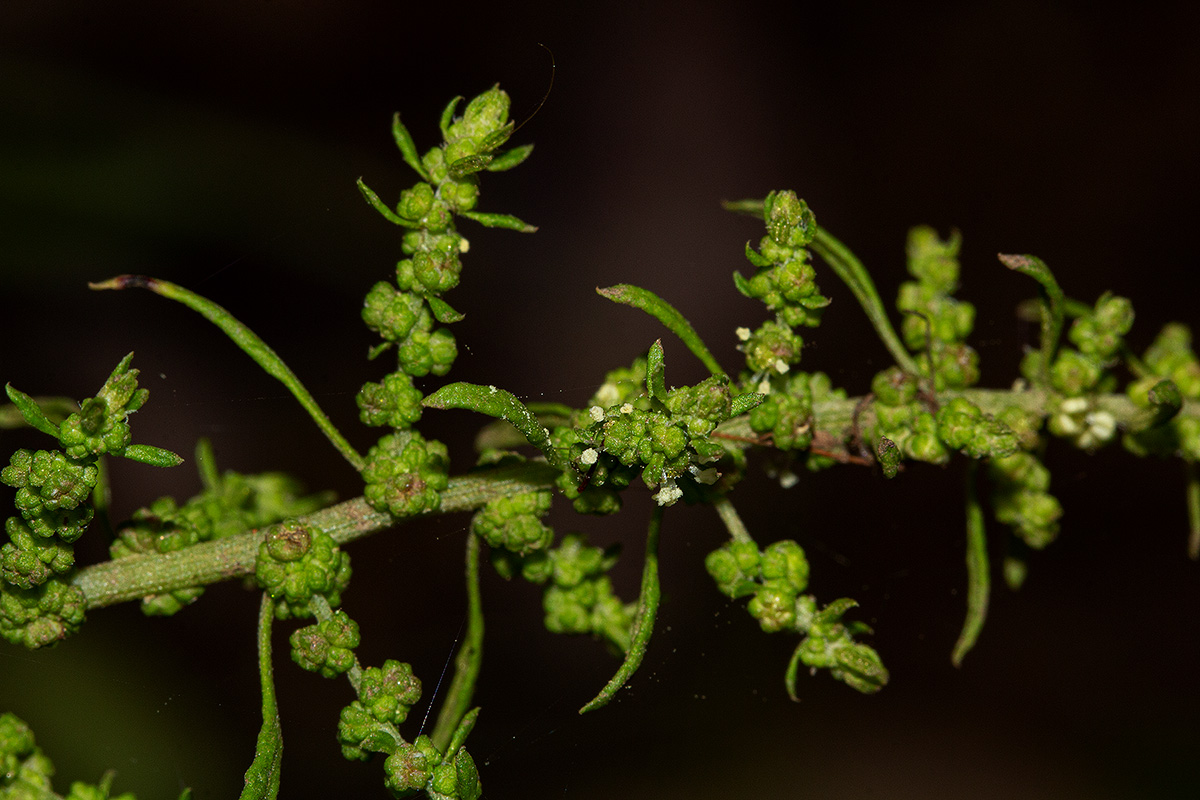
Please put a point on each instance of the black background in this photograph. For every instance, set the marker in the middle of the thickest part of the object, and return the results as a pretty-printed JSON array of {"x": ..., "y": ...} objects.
[{"x": 216, "y": 145}]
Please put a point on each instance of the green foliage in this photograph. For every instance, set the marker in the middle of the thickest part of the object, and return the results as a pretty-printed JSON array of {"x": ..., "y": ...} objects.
[
  {"x": 296, "y": 562},
  {"x": 686, "y": 443}
]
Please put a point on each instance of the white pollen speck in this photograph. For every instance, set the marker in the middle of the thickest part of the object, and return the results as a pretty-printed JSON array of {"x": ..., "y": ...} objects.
[
  {"x": 1074, "y": 405},
  {"x": 781, "y": 366},
  {"x": 596, "y": 413},
  {"x": 668, "y": 494},
  {"x": 743, "y": 333},
  {"x": 627, "y": 409},
  {"x": 589, "y": 456},
  {"x": 764, "y": 386},
  {"x": 463, "y": 245},
  {"x": 788, "y": 479},
  {"x": 492, "y": 389}
]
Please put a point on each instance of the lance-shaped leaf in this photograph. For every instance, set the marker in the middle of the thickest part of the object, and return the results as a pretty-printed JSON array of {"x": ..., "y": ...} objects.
[
  {"x": 507, "y": 221},
  {"x": 381, "y": 207},
  {"x": 665, "y": 313},
  {"x": 30, "y": 410},
  {"x": 496, "y": 403},
  {"x": 656, "y": 385},
  {"x": 262, "y": 779},
  {"x": 643, "y": 621},
  {"x": 510, "y": 158},
  {"x": 978, "y": 578},
  {"x": 1052, "y": 306},
  {"x": 408, "y": 148},
  {"x": 154, "y": 456},
  {"x": 250, "y": 344}
]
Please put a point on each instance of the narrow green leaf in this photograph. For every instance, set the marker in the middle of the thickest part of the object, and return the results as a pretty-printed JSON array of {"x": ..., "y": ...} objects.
[
  {"x": 154, "y": 456},
  {"x": 656, "y": 373},
  {"x": 461, "y": 732},
  {"x": 55, "y": 409},
  {"x": 854, "y": 274},
  {"x": 469, "y": 165},
  {"x": 495, "y": 403},
  {"x": 382, "y": 208},
  {"x": 467, "y": 661},
  {"x": 745, "y": 403},
  {"x": 448, "y": 117},
  {"x": 466, "y": 776},
  {"x": 1052, "y": 305},
  {"x": 889, "y": 457},
  {"x": 262, "y": 778},
  {"x": 206, "y": 463},
  {"x": 741, "y": 284},
  {"x": 408, "y": 148},
  {"x": 665, "y": 313},
  {"x": 31, "y": 411},
  {"x": 643, "y": 621},
  {"x": 793, "y": 669},
  {"x": 752, "y": 208},
  {"x": 499, "y": 221},
  {"x": 442, "y": 310},
  {"x": 978, "y": 579},
  {"x": 510, "y": 158},
  {"x": 250, "y": 344}
]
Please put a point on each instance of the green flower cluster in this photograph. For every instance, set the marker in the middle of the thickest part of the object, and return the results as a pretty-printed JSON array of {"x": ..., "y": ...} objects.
[
  {"x": 785, "y": 281},
  {"x": 1021, "y": 498},
  {"x": 514, "y": 523},
  {"x": 37, "y": 605},
  {"x": 664, "y": 439},
  {"x": 964, "y": 427},
  {"x": 368, "y": 725},
  {"x": 326, "y": 647},
  {"x": 830, "y": 645},
  {"x": 40, "y": 616},
  {"x": 230, "y": 504},
  {"x": 405, "y": 314},
  {"x": 786, "y": 284},
  {"x": 25, "y": 770},
  {"x": 787, "y": 412},
  {"x": 623, "y": 385},
  {"x": 579, "y": 596},
  {"x": 101, "y": 424},
  {"x": 1169, "y": 358},
  {"x": 903, "y": 417},
  {"x": 296, "y": 562},
  {"x": 1081, "y": 372},
  {"x": 775, "y": 579},
  {"x": 405, "y": 474},
  {"x": 935, "y": 323},
  {"x": 421, "y": 766}
]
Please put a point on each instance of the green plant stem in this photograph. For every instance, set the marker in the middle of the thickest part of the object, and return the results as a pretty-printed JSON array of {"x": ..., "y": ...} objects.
[
  {"x": 1053, "y": 304},
  {"x": 323, "y": 612},
  {"x": 469, "y": 658},
  {"x": 978, "y": 578},
  {"x": 250, "y": 343},
  {"x": 262, "y": 778},
  {"x": 209, "y": 562},
  {"x": 643, "y": 622},
  {"x": 133, "y": 577},
  {"x": 858, "y": 280},
  {"x": 733, "y": 523},
  {"x": 668, "y": 315}
]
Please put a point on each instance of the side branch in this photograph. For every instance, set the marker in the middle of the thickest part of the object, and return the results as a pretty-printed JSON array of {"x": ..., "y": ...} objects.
[{"x": 133, "y": 577}]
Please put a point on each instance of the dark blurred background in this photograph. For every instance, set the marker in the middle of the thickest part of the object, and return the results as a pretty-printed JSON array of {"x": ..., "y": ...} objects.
[{"x": 216, "y": 145}]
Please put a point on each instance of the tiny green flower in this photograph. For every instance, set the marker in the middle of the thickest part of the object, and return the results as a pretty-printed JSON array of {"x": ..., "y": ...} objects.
[{"x": 326, "y": 647}]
